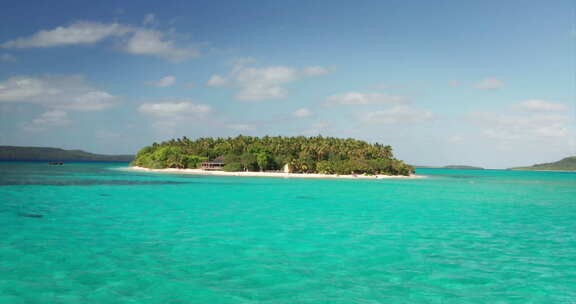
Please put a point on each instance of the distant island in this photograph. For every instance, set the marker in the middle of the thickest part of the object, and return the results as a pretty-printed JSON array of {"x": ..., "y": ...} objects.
[
  {"x": 294, "y": 155},
  {"x": 565, "y": 164},
  {"x": 462, "y": 167},
  {"x": 15, "y": 153}
]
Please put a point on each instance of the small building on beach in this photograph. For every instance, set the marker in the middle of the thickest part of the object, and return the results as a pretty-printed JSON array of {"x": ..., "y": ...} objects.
[{"x": 215, "y": 164}]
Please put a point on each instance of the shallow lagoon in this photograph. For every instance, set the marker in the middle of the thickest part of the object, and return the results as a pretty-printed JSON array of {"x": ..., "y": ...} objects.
[{"x": 90, "y": 233}]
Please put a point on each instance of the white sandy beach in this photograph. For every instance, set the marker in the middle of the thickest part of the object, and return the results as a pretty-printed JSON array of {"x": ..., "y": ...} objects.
[{"x": 273, "y": 174}]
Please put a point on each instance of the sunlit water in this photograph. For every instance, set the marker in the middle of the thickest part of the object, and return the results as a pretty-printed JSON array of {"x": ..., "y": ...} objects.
[{"x": 91, "y": 233}]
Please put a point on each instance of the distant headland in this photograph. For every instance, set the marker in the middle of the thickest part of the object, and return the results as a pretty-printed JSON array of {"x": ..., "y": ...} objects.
[
  {"x": 271, "y": 156},
  {"x": 565, "y": 164},
  {"x": 460, "y": 167},
  {"x": 15, "y": 153}
]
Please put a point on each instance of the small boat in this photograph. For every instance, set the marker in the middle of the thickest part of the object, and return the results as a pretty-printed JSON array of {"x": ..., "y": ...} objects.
[{"x": 56, "y": 163}]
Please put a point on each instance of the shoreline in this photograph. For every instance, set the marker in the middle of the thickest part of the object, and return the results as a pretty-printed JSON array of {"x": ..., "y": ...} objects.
[{"x": 273, "y": 174}]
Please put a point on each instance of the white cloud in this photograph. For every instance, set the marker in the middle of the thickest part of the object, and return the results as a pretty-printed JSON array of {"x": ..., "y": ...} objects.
[
  {"x": 135, "y": 40},
  {"x": 174, "y": 109},
  {"x": 265, "y": 83},
  {"x": 261, "y": 92},
  {"x": 241, "y": 127},
  {"x": 302, "y": 113},
  {"x": 49, "y": 119},
  {"x": 149, "y": 19},
  {"x": 490, "y": 83},
  {"x": 150, "y": 42},
  {"x": 509, "y": 127},
  {"x": 217, "y": 81},
  {"x": 397, "y": 115},
  {"x": 315, "y": 71},
  {"x": 91, "y": 101},
  {"x": 76, "y": 33},
  {"x": 357, "y": 98},
  {"x": 169, "y": 116},
  {"x": 537, "y": 105},
  {"x": 68, "y": 92},
  {"x": 7, "y": 58},
  {"x": 165, "y": 81}
]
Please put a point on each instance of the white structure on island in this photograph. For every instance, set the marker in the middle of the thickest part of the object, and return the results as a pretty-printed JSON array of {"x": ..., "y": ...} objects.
[
  {"x": 216, "y": 164},
  {"x": 287, "y": 169}
]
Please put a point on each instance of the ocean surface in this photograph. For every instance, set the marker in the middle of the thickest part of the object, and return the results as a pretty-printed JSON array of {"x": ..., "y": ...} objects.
[{"x": 94, "y": 233}]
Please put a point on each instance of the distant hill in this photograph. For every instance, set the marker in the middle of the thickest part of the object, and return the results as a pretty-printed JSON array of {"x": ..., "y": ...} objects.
[
  {"x": 566, "y": 164},
  {"x": 462, "y": 167},
  {"x": 56, "y": 154}
]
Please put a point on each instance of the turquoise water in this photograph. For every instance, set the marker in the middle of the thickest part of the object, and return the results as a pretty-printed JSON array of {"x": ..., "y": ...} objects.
[{"x": 90, "y": 233}]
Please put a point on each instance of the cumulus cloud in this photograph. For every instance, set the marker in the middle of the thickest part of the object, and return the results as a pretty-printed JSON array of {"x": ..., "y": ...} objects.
[
  {"x": 490, "y": 83},
  {"x": 511, "y": 127},
  {"x": 7, "y": 58},
  {"x": 49, "y": 119},
  {"x": 261, "y": 92},
  {"x": 170, "y": 115},
  {"x": 165, "y": 81},
  {"x": 76, "y": 33},
  {"x": 302, "y": 113},
  {"x": 68, "y": 92},
  {"x": 262, "y": 83},
  {"x": 357, "y": 98},
  {"x": 315, "y": 71},
  {"x": 135, "y": 40},
  {"x": 217, "y": 81},
  {"x": 241, "y": 127},
  {"x": 155, "y": 43},
  {"x": 537, "y": 105},
  {"x": 149, "y": 19},
  {"x": 174, "y": 109},
  {"x": 397, "y": 115}
]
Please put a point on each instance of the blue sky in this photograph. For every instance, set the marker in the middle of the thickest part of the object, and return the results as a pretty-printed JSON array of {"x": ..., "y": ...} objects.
[{"x": 489, "y": 83}]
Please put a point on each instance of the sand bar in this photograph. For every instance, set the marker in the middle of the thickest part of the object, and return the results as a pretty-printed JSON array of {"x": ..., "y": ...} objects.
[{"x": 274, "y": 174}]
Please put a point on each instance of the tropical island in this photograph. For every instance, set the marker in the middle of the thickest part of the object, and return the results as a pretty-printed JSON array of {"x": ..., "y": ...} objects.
[
  {"x": 565, "y": 164},
  {"x": 298, "y": 156}
]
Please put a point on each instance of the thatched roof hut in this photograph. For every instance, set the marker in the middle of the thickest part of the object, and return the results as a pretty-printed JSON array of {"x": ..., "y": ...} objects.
[{"x": 215, "y": 164}]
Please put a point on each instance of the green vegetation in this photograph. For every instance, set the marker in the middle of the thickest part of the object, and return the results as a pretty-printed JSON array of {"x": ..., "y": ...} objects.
[
  {"x": 166, "y": 156},
  {"x": 302, "y": 154},
  {"x": 14, "y": 153},
  {"x": 566, "y": 164}
]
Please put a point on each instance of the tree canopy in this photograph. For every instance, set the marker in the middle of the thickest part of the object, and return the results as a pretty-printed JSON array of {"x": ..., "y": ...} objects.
[{"x": 303, "y": 155}]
